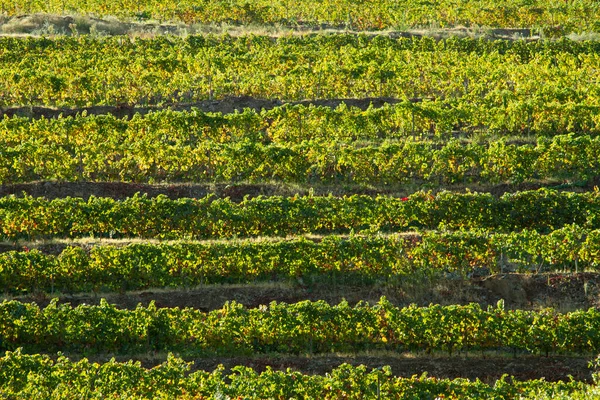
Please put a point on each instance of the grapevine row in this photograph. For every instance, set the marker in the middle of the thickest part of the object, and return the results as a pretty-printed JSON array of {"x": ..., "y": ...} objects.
[
  {"x": 304, "y": 327},
  {"x": 355, "y": 259},
  {"x": 35, "y": 376},
  {"x": 97, "y": 155},
  {"x": 289, "y": 124},
  {"x": 159, "y": 217},
  {"x": 515, "y": 82}
]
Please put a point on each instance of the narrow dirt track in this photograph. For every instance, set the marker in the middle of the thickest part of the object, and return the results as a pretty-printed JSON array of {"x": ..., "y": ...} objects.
[
  {"x": 564, "y": 292},
  {"x": 488, "y": 368},
  {"x": 238, "y": 191},
  {"x": 226, "y": 106}
]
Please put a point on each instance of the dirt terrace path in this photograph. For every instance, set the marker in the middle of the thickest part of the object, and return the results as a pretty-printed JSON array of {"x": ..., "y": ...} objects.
[
  {"x": 564, "y": 292},
  {"x": 237, "y": 191},
  {"x": 226, "y": 106},
  {"x": 487, "y": 368}
]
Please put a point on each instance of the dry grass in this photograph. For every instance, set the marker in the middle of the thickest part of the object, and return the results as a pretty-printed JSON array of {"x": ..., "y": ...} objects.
[{"x": 74, "y": 24}]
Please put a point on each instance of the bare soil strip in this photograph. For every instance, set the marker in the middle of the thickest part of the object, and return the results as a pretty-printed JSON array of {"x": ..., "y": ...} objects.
[
  {"x": 564, "y": 292},
  {"x": 488, "y": 368},
  {"x": 472, "y": 367},
  {"x": 238, "y": 191},
  {"x": 122, "y": 190},
  {"x": 226, "y": 106}
]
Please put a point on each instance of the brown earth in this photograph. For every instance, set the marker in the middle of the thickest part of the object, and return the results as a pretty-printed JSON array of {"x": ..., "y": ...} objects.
[
  {"x": 226, "y": 106},
  {"x": 564, "y": 292},
  {"x": 122, "y": 190},
  {"x": 488, "y": 368},
  {"x": 237, "y": 192}
]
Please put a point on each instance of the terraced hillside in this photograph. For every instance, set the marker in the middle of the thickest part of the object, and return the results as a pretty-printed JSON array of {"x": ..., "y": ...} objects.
[{"x": 278, "y": 200}]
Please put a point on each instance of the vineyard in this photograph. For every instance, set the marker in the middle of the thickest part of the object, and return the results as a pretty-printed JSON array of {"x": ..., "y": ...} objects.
[{"x": 292, "y": 200}]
